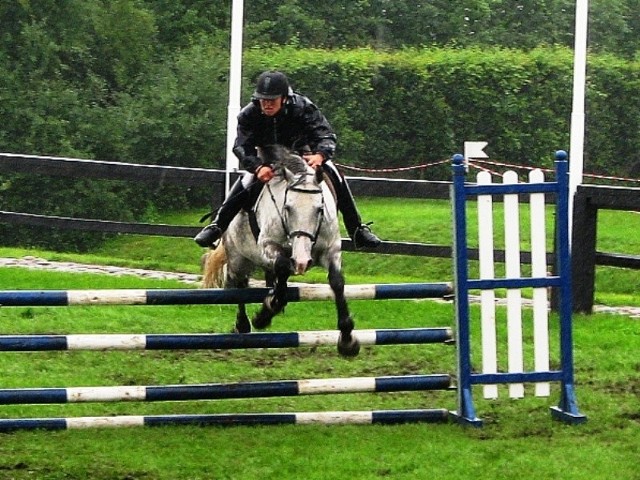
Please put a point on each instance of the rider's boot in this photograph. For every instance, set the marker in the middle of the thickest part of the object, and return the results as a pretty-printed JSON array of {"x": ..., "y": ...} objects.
[
  {"x": 236, "y": 199},
  {"x": 360, "y": 233}
]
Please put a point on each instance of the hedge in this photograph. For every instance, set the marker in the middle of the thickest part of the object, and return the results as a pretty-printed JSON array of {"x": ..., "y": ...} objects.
[{"x": 389, "y": 109}]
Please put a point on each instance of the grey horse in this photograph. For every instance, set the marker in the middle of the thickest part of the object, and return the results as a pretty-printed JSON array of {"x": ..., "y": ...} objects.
[{"x": 294, "y": 226}]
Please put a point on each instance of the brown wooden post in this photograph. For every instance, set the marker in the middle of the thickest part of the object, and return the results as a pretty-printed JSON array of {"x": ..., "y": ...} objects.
[{"x": 583, "y": 252}]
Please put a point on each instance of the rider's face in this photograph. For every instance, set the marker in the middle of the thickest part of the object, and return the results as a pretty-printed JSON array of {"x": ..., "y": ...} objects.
[{"x": 271, "y": 107}]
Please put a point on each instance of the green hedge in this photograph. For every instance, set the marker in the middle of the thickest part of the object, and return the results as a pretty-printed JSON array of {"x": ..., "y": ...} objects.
[
  {"x": 389, "y": 109},
  {"x": 416, "y": 106}
]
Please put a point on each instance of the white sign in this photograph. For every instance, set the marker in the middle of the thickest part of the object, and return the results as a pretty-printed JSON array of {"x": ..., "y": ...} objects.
[{"x": 474, "y": 150}]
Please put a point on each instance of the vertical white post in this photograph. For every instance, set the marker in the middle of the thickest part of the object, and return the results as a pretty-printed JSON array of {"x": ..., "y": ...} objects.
[
  {"x": 487, "y": 297},
  {"x": 514, "y": 296},
  {"x": 235, "y": 83},
  {"x": 576, "y": 147},
  {"x": 539, "y": 270}
]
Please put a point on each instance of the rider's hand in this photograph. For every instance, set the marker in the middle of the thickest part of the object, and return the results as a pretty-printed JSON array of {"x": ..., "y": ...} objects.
[
  {"x": 265, "y": 173},
  {"x": 314, "y": 160}
]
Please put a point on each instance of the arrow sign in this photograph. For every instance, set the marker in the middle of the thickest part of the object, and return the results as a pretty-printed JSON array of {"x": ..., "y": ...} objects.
[{"x": 475, "y": 150}]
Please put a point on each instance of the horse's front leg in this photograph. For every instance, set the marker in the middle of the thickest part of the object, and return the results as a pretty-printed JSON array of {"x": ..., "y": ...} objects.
[
  {"x": 348, "y": 344},
  {"x": 274, "y": 303},
  {"x": 242, "y": 320}
]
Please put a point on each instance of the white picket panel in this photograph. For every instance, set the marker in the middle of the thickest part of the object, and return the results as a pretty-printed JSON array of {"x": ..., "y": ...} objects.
[
  {"x": 540, "y": 297},
  {"x": 514, "y": 296},
  {"x": 487, "y": 297}
]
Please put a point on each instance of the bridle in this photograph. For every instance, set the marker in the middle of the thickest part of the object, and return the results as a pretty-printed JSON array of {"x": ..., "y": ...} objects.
[{"x": 295, "y": 187}]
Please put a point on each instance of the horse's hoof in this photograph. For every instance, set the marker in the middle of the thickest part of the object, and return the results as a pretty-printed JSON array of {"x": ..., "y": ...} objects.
[
  {"x": 242, "y": 323},
  {"x": 261, "y": 320},
  {"x": 242, "y": 328},
  {"x": 273, "y": 305},
  {"x": 348, "y": 348}
]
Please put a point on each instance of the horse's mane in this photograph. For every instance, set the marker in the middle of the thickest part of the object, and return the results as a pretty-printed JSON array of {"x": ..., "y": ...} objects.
[{"x": 284, "y": 158}]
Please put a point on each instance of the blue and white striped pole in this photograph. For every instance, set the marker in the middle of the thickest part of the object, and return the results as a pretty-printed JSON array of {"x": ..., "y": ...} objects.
[
  {"x": 220, "y": 341},
  {"x": 219, "y": 391},
  {"x": 234, "y": 419},
  {"x": 53, "y": 298}
]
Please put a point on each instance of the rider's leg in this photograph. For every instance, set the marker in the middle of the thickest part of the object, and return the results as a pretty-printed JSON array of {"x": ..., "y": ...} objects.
[
  {"x": 360, "y": 233},
  {"x": 239, "y": 196}
]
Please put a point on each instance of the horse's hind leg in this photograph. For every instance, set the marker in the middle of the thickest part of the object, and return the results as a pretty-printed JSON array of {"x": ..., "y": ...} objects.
[
  {"x": 242, "y": 320},
  {"x": 348, "y": 345},
  {"x": 274, "y": 303}
]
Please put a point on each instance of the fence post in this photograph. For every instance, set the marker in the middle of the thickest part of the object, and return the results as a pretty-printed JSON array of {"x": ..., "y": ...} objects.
[{"x": 583, "y": 252}]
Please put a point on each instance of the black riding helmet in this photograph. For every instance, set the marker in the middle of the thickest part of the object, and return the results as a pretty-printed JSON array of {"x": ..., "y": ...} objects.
[{"x": 271, "y": 85}]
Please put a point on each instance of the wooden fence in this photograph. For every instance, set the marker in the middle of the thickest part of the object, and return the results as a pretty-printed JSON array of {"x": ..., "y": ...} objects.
[
  {"x": 189, "y": 177},
  {"x": 586, "y": 203},
  {"x": 588, "y": 200}
]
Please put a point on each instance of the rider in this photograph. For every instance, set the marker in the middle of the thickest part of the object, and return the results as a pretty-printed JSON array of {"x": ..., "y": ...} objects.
[{"x": 278, "y": 115}]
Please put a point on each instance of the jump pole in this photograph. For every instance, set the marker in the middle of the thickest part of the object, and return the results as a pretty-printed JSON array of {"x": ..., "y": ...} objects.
[
  {"x": 222, "y": 391},
  {"x": 320, "y": 292},
  {"x": 384, "y": 417},
  {"x": 220, "y": 341}
]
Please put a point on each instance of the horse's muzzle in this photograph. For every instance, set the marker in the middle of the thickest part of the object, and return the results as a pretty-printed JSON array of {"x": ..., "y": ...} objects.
[
  {"x": 301, "y": 259},
  {"x": 300, "y": 267}
]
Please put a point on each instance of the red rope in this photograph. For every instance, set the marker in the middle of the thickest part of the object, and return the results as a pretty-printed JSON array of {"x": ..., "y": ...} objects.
[
  {"x": 479, "y": 167},
  {"x": 589, "y": 175},
  {"x": 390, "y": 170}
]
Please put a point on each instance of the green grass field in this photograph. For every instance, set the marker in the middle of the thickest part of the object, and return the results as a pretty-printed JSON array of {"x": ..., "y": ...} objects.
[{"x": 519, "y": 439}]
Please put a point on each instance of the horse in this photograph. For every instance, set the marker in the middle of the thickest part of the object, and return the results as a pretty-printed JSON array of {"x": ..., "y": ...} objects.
[{"x": 294, "y": 227}]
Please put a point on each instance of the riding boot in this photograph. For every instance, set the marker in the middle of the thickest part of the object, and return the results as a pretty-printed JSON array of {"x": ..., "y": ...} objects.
[
  {"x": 236, "y": 199},
  {"x": 360, "y": 233}
]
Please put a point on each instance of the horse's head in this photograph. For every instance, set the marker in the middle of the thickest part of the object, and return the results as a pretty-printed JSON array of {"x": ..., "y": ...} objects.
[
  {"x": 303, "y": 203},
  {"x": 303, "y": 213}
]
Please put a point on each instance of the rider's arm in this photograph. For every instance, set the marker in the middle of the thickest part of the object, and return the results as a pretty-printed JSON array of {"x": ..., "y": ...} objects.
[
  {"x": 245, "y": 143},
  {"x": 249, "y": 162},
  {"x": 317, "y": 129}
]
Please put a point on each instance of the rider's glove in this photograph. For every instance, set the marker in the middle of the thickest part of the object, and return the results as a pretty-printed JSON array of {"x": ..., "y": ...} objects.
[{"x": 251, "y": 163}]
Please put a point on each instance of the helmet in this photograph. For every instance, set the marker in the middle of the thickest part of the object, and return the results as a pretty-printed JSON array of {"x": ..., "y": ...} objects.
[{"x": 271, "y": 85}]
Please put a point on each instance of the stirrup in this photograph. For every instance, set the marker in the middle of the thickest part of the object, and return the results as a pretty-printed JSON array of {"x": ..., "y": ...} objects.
[{"x": 364, "y": 237}]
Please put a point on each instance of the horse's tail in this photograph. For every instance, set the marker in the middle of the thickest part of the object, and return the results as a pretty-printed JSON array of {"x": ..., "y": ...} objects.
[{"x": 213, "y": 267}]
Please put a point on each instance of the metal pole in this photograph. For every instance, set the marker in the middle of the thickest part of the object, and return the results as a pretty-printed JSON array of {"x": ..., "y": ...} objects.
[
  {"x": 235, "y": 83},
  {"x": 576, "y": 148}
]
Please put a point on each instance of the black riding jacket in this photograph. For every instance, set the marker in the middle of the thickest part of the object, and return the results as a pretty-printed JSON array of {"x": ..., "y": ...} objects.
[{"x": 298, "y": 125}]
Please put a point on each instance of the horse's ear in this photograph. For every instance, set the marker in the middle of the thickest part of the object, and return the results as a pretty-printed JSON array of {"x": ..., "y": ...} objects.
[
  {"x": 288, "y": 174},
  {"x": 319, "y": 175}
]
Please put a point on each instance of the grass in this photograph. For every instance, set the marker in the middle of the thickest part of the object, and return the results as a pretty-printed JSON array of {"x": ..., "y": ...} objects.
[{"x": 519, "y": 440}]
